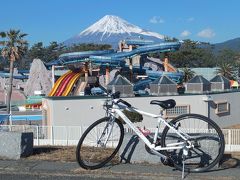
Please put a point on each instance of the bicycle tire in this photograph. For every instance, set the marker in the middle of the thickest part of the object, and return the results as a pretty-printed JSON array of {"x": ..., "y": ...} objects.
[
  {"x": 210, "y": 132},
  {"x": 98, "y": 160}
]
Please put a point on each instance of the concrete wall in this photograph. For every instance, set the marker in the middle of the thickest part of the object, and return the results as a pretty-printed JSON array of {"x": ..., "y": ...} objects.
[
  {"x": 75, "y": 111},
  {"x": 15, "y": 145},
  {"x": 226, "y": 119},
  {"x": 65, "y": 111}
]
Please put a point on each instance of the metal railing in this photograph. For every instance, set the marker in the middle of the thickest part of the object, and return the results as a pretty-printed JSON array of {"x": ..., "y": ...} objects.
[{"x": 70, "y": 135}]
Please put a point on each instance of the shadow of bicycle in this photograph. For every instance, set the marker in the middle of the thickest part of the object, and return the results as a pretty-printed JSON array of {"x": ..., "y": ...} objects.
[{"x": 229, "y": 162}]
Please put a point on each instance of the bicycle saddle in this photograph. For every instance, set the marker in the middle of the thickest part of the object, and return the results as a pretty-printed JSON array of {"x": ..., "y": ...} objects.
[{"x": 167, "y": 104}]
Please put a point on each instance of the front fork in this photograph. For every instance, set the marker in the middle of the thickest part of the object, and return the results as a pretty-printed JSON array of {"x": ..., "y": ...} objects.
[{"x": 107, "y": 130}]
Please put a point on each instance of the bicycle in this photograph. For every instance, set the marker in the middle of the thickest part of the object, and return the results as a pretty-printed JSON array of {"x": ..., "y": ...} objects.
[{"x": 191, "y": 142}]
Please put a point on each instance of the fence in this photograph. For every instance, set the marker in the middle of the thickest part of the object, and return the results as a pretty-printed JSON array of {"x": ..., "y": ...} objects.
[{"x": 69, "y": 135}]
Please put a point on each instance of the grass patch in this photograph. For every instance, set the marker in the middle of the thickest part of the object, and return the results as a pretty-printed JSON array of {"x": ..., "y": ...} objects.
[
  {"x": 66, "y": 154},
  {"x": 52, "y": 153}
]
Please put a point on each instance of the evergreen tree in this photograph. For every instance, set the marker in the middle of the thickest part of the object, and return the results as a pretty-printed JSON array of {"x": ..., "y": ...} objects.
[
  {"x": 36, "y": 51},
  {"x": 192, "y": 54},
  {"x": 14, "y": 48},
  {"x": 227, "y": 70},
  {"x": 188, "y": 74}
]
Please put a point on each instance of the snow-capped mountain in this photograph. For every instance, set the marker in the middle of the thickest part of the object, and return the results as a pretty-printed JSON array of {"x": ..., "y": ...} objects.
[{"x": 110, "y": 30}]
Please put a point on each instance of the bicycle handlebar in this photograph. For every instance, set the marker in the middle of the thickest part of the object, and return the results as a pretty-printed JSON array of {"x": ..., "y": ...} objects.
[
  {"x": 116, "y": 95},
  {"x": 124, "y": 102}
]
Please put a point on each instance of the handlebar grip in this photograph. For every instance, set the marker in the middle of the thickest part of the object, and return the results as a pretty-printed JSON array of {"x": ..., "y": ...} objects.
[
  {"x": 125, "y": 103},
  {"x": 116, "y": 95}
]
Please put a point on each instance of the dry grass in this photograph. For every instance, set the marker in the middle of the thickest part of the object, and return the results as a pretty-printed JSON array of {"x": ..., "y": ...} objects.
[
  {"x": 67, "y": 154},
  {"x": 236, "y": 126},
  {"x": 64, "y": 154},
  {"x": 235, "y": 155}
]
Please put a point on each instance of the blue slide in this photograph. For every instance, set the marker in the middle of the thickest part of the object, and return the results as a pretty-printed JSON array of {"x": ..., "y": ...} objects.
[
  {"x": 113, "y": 58},
  {"x": 116, "y": 58}
]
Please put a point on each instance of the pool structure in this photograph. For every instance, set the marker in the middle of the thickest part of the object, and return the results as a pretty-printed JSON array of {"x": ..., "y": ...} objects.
[
  {"x": 4, "y": 117},
  {"x": 26, "y": 117}
]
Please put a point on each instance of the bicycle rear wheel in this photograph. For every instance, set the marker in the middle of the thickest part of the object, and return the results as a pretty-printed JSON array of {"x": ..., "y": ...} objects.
[
  {"x": 99, "y": 143},
  {"x": 206, "y": 136}
]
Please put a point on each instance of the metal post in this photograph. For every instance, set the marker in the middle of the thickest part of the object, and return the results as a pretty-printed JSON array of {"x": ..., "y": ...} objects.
[
  {"x": 5, "y": 95},
  {"x": 107, "y": 75},
  {"x": 10, "y": 115},
  {"x": 37, "y": 135},
  {"x": 53, "y": 75},
  {"x": 229, "y": 139},
  {"x": 52, "y": 139},
  {"x": 131, "y": 69},
  {"x": 86, "y": 71},
  {"x": 67, "y": 133}
]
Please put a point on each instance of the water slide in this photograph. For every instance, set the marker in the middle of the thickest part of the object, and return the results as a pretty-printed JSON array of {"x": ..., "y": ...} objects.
[
  {"x": 119, "y": 58},
  {"x": 175, "y": 76},
  {"x": 73, "y": 57},
  {"x": 112, "y": 58},
  {"x": 63, "y": 85},
  {"x": 57, "y": 84},
  {"x": 145, "y": 49},
  {"x": 71, "y": 84}
]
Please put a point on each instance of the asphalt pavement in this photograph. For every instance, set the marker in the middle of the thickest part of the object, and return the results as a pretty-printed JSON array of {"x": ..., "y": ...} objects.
[{"x": 33, "y": 170}]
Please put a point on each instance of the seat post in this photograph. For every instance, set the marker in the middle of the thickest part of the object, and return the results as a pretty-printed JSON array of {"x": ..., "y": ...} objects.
[{"x": 161, "y": 111}]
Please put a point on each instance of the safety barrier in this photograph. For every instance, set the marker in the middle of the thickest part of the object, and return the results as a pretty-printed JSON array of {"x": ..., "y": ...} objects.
[{"x": 69, "y": 135}]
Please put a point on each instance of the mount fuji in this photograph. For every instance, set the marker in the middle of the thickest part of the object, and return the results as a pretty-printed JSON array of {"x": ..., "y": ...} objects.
[{"x": 110, "y": 30}]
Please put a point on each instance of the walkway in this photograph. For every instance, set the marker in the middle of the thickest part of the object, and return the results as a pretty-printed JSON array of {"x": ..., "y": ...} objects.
[{"x": 26, "y": 169}]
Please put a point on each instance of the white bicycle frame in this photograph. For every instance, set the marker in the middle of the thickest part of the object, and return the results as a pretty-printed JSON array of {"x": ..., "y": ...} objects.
[{"x": 116, "y": 111}]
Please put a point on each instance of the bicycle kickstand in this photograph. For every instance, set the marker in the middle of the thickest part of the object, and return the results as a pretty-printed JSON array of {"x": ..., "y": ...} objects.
[
  {"x": 183, "y": 167},
  {"x": 184, "y": 155}
]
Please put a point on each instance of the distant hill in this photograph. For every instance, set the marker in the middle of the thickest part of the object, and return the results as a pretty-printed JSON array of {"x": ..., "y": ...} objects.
[
  {"x": 233, "y": 44},
  {"x": 110, "y": 30}
]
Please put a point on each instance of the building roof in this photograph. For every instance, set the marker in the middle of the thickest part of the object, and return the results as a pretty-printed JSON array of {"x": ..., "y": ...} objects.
[
  {"x": 220, "y": 78},
  {"x": 207, "y": 73},
  {"x": 198, "y": 79},
  {"x": 163, "y": 80},
  {"x": 120, "y": 80}
]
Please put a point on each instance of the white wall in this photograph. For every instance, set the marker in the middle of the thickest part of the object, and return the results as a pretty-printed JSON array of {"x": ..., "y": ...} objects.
[{"x": 76, "y": 111}]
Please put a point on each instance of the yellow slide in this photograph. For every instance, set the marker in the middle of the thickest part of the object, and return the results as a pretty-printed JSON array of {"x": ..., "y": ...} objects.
[
  {"x": 71, "y": 83},
  {"x": 56, "y": 85}
]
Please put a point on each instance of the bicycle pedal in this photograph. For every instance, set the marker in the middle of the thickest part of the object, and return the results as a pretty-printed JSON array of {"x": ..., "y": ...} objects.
[{"x": 167, "y": 162}]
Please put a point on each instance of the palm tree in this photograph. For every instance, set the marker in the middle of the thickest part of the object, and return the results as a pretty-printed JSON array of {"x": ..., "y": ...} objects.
[
  {"x": 188, "y": 74},
  {"x": 13, "y": 48},
  {"x": 227, "y": 70}
]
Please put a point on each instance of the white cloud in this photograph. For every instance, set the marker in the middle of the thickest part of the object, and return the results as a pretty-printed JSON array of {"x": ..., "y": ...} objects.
[
  {"x": 190, "y": 19},
  {"x": 156, "y": 20},
  {"x": 206, "y": 33},
  {"x": 185, "y": 33}
]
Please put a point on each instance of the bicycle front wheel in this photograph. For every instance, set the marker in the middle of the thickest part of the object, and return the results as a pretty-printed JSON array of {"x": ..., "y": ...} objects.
[
  {"x": 203, "y": 133},
  {"x": 100, "y": 143}
]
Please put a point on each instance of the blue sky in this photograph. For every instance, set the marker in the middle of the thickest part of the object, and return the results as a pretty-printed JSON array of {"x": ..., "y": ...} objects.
[{"x": 57, "y": 20}]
